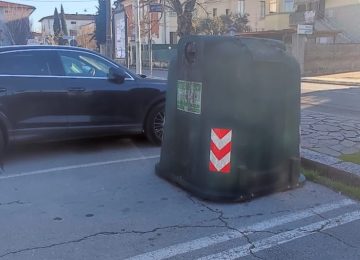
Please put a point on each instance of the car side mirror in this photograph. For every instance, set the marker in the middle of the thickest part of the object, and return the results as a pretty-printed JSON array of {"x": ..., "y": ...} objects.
[
  {"x": 116, "y": 75},
  {"x": 142, "y": 76}
]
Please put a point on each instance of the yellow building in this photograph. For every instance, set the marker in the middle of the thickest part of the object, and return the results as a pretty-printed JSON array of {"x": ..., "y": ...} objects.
[{"x": 277, "y": 14}]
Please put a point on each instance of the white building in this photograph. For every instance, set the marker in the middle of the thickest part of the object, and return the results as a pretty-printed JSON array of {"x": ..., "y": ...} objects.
[{"x": 74, "y": 23}]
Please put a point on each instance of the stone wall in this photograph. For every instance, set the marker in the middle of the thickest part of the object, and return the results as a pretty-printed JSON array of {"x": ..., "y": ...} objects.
[{"x": 321, "y": 59}]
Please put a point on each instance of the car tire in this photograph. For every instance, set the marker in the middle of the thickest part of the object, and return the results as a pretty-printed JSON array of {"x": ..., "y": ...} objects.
[
  {"x": 154, "y": 126},
  {"x": 2, "y": 144}
]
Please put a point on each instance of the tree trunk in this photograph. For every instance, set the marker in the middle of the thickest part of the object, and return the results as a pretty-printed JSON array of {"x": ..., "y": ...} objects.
[{"x": 184, "y": 17}]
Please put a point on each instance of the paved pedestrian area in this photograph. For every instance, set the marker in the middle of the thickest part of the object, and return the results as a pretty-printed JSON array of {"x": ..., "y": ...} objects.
[
  {"x": 329, "y": 134},
  {"x": 352, "y": 78}
]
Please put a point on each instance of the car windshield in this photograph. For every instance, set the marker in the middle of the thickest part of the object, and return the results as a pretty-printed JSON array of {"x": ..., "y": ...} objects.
[{"x": 179, "y": 129}]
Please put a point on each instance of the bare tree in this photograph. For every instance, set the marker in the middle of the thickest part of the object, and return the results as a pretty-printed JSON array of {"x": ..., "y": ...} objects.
[{"x": 184, "y": 10}]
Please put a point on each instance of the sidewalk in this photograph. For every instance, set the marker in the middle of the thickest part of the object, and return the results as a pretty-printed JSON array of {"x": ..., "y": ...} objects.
[
  {"x": 324, "y": 138},
  {"x": 329, "y": 134},
  {"x": 347, "y": 79}
]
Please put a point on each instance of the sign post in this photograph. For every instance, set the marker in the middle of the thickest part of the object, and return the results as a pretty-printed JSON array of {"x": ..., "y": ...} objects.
[
  {"x": 156, "y": 8},
  {"x": 305, "y": 29}
]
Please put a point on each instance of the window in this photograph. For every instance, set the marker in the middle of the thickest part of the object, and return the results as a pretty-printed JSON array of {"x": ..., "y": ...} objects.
[
  {"x": 289, "y": 6},
  {"x": 25, "y": 63},
  {"x": 73, "y": 22},
  {"x": 227, "y": 12},
  {"x": 241, "y": 7},
  {"x": 273, "y": 6},
  {"x": 214, "y": 12},
  {"x": 173, "y": 38},
  {"x": 262, "y": 9},
  {"x": 76, "y": 64},
  {"x": 73, "y": 33}
]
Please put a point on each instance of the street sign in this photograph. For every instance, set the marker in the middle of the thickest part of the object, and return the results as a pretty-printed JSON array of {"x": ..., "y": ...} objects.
[
  {"x": 305, "y": 29},
  {"x": 156, "y": 8}
]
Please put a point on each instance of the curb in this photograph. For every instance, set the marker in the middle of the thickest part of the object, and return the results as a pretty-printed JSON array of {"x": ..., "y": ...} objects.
[
  {"x": 330, "y": 82},
  {"x": 333, "y": 168}
]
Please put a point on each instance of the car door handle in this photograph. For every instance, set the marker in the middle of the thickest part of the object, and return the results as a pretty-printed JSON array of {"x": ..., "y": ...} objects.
[
  {"x": 75, "y": 89},
  {"x": 3, "y": 90}
]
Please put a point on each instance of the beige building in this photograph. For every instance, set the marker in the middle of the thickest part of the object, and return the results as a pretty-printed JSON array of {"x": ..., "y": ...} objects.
[
  {"x": 13, "y": 11},
  {"x": 86, "y": 36},
  {"x": 14, "y": 23},
  {"x": 73, "y": 21},
  {"x": 254, "y": 8},
  {"x": 164, "y": 27},
  {"x": 276, "y": 14},
  {"x": 333, "y": 20}
]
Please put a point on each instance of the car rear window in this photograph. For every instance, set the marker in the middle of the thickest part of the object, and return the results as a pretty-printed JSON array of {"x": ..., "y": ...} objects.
[{"x": 24, "y": 63}]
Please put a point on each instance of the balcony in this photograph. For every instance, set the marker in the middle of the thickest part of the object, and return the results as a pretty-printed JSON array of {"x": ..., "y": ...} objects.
[{"x": 305, "y": 17}]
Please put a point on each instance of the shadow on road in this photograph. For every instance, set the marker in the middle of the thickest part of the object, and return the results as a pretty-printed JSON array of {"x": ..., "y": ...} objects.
[
  {"x": 24, "y": 151},
  {"x": 340, "y": 102}
]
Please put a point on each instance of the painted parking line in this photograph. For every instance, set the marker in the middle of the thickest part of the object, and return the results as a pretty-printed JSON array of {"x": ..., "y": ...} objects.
[
  {"x": 211, "y": 240},
  {"x": 79, "y": 166},
  {"x": 284, "y": 237}
]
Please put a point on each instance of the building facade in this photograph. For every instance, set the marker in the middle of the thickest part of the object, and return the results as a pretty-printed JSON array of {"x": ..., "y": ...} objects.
[
  {"x": 86, "y": 36},
  {"x": 334, "y": 21},
  {"x": 14, "y": 20},
  {"x": 13, "y": 11},
  {"x": 163, "y": 26},
  {"x": 74, "y": 23}
]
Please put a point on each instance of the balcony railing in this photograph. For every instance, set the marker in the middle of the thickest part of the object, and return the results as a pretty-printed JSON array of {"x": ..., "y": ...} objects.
[{"x": 305, "y": 17}]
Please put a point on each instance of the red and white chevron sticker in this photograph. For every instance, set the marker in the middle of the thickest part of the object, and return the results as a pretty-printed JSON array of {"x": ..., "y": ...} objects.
[{"x": 220, "y": 150}]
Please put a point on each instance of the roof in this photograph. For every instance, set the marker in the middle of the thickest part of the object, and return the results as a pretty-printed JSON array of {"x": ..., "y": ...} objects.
[
  {"x": 15, "y": 5},
  {"x": 41, "y": 47},
  {"x": 78, "y": 17}
]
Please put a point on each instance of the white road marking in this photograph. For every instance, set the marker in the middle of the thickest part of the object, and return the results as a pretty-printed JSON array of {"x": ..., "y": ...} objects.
[
  {"x": 284, "y": 237},
  {"x": 79, "y": 166},
  {"x": 211, "y": 240}
]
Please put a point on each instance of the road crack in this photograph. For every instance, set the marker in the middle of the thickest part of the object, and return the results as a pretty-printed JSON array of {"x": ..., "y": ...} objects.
[
  {"x": 338, "y": 239},
  {"x": 222, "y": 219},
  {"x": 107, "y": 233},
  {"x": 17, "y": 202}
]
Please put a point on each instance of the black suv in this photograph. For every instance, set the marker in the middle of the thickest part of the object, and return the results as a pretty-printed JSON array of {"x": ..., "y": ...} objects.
[{"x": 53, "y": 93}]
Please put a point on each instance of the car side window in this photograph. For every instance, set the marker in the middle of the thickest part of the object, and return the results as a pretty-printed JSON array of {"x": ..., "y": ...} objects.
[
  {"x": 79, "y": 64},
  {"x": 26, "y": 63}
]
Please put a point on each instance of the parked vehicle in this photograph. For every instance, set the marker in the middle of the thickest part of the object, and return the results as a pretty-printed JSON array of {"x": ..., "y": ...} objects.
[{"x": 55, "y": 93}]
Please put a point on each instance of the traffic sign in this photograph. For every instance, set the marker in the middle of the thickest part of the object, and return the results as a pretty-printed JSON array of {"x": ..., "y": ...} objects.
[
  {"x": 156, "y": 8},
  {"x": 305, "y": 29}
]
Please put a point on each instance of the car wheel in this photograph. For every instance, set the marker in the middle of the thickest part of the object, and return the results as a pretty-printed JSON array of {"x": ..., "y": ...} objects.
[{"x": 154, "y": 127}]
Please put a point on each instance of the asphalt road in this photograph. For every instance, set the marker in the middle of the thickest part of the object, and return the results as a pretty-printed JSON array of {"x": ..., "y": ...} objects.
[
  {"x": 331, "y": 99},
  {"x": 100, "y": 199}
]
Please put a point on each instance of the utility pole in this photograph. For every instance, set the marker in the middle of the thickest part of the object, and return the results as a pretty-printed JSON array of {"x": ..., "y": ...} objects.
[
  {"x": 164, "y": 15},
  {"x": 108, "y": 49},
  {"x": 138, "y": 38},
  {"x": 150, "y": 44}
]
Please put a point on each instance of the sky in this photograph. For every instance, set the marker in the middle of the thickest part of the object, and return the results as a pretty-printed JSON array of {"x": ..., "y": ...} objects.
[{"x": 46, "y": 8}]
